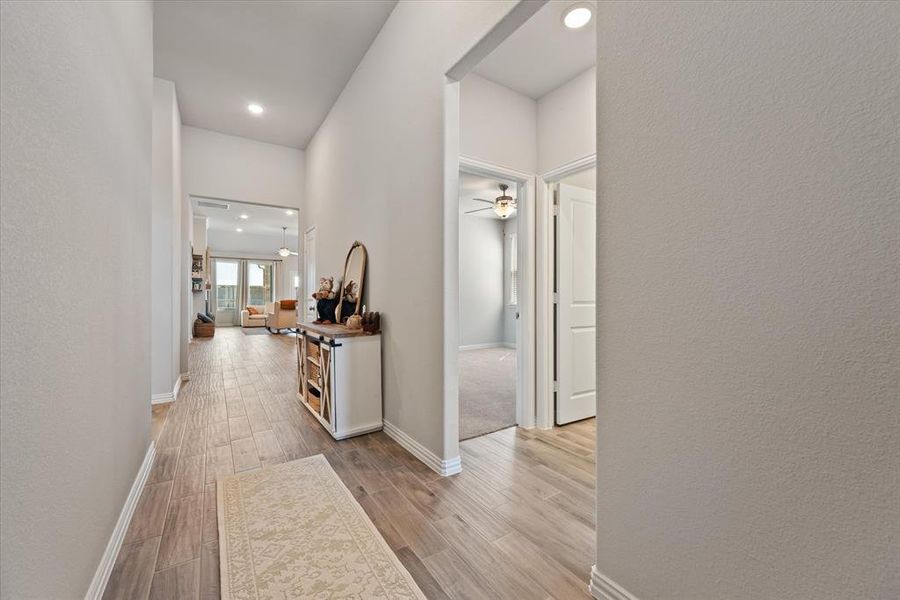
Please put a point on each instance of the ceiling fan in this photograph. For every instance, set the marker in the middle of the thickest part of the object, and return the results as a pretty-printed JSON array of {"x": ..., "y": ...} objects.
[
  {"x": 503, "y": 205},
  {"x": 284, "y": 250}
]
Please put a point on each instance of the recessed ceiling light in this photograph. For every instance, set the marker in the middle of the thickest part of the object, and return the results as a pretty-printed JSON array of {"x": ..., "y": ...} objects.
[
  {"x": 288, "y": 212},
  {"x": 256, "y": 109},
  {"x": 577, "y": 16},
  {"x": 239, "y": 230},
  {"x": 245, "y": 216}
]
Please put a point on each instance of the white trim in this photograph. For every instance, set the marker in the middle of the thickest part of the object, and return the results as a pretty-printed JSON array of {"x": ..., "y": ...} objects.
[
  {"x": 483, "y": 346},
  {"x": 172, "y": 396},
  {"x": 108, "y": 560},
  {"x": 544, "y": 340},
  {"x": 450, "y": 466},
  {"x": 162, "y": 398},
  {"x": 509, "y": 345},
  {"x": 570, "y": 168},
  {"x": 604, "y": 588},
  {"x": 526, "y": 250}
]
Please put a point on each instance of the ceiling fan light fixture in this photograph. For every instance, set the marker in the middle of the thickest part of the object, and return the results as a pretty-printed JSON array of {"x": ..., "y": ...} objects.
[{"x": 504, "y": 205}]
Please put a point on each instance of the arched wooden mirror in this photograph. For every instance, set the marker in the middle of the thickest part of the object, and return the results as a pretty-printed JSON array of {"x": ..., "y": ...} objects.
[{"x": 353, "y": 282}]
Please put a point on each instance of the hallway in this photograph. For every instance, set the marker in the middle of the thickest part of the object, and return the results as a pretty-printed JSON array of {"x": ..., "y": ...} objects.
[{"x": 483, "y": 533}]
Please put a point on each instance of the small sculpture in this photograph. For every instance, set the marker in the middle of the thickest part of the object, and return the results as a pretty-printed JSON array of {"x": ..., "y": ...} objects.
[
  {"x": 349, "y": 297},
  {"x": 326, "y": 300},
  {"x": 354, "y": 322},
  {"x": 371, "y": 322}
]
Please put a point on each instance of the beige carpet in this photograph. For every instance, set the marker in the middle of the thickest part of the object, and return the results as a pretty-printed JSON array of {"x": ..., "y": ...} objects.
[
  {"x": 487, "y": 391},
  {"x": 294, "y": 531}
]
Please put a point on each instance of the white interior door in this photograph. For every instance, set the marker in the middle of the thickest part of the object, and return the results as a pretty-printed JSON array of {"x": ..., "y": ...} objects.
[
  {"x": 309, "y": 268},
  {"x": 576, "y": 332}
]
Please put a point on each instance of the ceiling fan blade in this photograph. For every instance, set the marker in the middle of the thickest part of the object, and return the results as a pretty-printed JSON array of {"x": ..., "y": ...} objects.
[
  {"x": 483, "y": 200},
  {"x": 469, "y": 212}
]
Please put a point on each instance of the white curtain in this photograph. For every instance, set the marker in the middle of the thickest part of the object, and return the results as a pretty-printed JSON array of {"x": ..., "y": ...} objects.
[{"x": 240, "y": 295}]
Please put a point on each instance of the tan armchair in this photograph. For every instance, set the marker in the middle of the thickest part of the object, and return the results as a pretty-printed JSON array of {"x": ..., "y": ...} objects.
[
  {"x": 256, "y": 320},
  {"x": 281, "y": 314}
]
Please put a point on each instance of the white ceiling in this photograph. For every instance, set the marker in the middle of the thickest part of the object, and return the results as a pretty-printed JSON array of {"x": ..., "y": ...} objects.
[
  {"x": 293, "y": 58},
  {"x": 473, "y": 186},
  {"x": 542, "y": 54},
  {"x": 263, "y": 220}
]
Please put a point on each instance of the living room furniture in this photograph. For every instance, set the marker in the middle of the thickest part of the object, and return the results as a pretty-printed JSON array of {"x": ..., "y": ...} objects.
[
  {"x": 256, "y": 320},
  {"x": 339, "y": 378},
  {"x": 281, "y": 314},
  {"x": 202, "y": 329}
]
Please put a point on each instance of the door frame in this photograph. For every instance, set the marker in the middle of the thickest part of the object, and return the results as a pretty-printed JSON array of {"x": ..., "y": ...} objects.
[
  {"x": 545, "y": 288},
  {"x": 307, "y": 293},
  {"x": 525, "y": 242}
]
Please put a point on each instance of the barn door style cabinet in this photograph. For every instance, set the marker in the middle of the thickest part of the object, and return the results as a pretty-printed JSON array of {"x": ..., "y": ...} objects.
[{"x": 339, "y": 378}]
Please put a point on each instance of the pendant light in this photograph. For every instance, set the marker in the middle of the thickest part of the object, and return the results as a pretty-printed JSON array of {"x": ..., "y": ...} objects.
[{"x": 284, "y": 251}]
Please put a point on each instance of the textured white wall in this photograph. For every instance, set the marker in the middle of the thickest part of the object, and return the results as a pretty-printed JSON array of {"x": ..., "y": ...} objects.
[
  {"x": 166, "y": 260},
  {"x": 375, "y": 173},
  {"x": 236, "y": 168},
  {"x": 75, "y": 154},
  {"x": 749, "y": 299},
  {"x": 567, "y": 122},
  {"x": 497, "y": 125},
  {"x": 480, "y": 281}
]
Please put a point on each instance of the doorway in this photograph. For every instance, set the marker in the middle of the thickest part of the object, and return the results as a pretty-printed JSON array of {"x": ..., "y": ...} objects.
[
  {"x": 488, "y": 309},
  {"x": 575, "y": 337},
  {"x": 226, "y": 285}
]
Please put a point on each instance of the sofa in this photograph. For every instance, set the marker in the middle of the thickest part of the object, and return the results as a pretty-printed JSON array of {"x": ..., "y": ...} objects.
[
  {"x": 257, "y": 320},
  {"x": 281, "y": 314}
]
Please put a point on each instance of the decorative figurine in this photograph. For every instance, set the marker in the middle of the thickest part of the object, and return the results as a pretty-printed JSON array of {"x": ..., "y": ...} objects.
[{"x": 326, "y": 301}]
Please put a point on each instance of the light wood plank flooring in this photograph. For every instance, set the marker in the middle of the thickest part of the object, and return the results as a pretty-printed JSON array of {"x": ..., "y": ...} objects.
[{"x": 518, "y": 522}]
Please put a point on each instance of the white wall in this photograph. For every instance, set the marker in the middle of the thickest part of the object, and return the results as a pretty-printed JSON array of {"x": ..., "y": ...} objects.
[
  {"x": 167, "y": 262},
  {"x": 393, "y": 143},
  {"x": 501, "y": 126},
  {"x": 75, "y": 146},
  {"x": 497, "y": 124},
  {"x": 567, "y": 122},
  {"x": 749, "y": 300},
  {"x": 236, "y": 168},
  {"x": 481, "y": 304}
]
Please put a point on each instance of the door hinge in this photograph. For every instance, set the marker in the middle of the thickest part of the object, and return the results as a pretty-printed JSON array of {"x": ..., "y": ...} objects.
[
  {"x": 555, "y": 386},
  {"x": 555, "y": 298},
  {"x": 555, "y": 202}
]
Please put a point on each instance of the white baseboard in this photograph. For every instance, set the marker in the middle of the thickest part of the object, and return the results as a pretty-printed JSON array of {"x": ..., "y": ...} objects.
[
  {"x": 108, "y": 560},
  {"x": 162, "y": 398},
  {"x": 450, "y": 466},
  {"x": 604, "y": 588},
  {"x": 509, "y": 345},
  {"x": 170, "y": 396}
]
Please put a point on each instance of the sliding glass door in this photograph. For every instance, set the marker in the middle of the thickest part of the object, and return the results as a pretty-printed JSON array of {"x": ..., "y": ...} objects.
[
  {"x": 226, "y": 286},
  {"x": 260, "y": 282},
  {"x": 239, "y": 283}
]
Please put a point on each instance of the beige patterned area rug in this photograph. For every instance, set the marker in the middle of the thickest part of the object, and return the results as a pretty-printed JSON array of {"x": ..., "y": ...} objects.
[{"x": 295, "y": 531}]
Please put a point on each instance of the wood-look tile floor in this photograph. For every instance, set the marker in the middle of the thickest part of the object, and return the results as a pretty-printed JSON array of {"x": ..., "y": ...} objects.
[{"x": 518, "y": 522}]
